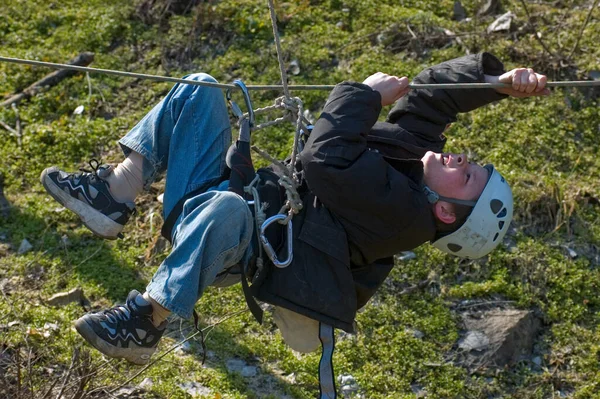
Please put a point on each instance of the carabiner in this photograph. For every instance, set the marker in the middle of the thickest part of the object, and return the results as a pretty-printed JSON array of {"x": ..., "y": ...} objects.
[
  {"x": 236, "y": 109},
  {"x": 267, "y": 245}
]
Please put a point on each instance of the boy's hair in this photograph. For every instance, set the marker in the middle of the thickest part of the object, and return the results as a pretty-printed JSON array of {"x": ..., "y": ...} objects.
[{"x": 461, "y": 212}]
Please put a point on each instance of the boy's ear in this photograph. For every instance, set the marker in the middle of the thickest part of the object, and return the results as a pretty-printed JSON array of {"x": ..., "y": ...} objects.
[{"x": 443, "y": 211}]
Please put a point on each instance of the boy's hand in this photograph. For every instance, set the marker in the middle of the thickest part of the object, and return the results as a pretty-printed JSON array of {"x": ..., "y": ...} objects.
[
  {"x": 390, "y": 87},
  {"x": 525, "y": 83}
]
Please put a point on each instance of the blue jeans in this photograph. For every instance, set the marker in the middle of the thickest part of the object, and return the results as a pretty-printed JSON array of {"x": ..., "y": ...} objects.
[{"x": 187, "y": 134}]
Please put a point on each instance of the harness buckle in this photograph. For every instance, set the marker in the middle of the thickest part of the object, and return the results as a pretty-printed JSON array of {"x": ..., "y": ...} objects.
[{"x": 267, "y": 245}]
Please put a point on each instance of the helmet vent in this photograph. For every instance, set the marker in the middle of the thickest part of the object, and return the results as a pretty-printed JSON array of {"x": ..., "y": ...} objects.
[
  {"x": 502, "y": 213},
  {"x": 496, "y": 205},
  {"x": 496, "y": 236},
  {"x": 501, "y": 224},
  {"x": 454, "y": 247}
]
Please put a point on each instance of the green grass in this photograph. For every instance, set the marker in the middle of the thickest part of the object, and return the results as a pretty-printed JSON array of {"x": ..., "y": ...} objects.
[{"x": 547, "y": 147}]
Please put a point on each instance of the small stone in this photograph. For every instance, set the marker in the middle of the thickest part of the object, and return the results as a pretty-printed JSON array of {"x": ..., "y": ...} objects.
[
  {"x": 291, "y": 378},
  {"x": 194, "y": 388},
  {"x": 348, "y": 385},
  {"x": 537, "y": 361},
  {"x": 571, "y": 252},
  {"x": 146, "y": 384},
  {"x": 24, "y": 247},
  {"x": 187, "y": 347},
  {"x": 405, "y": 256},
  {"x": 79, "y": 110},
  {"x": 502, "y": 23},
  {"x": 294, "y": 67},
  {"x": 249, "y": 371},
  {"x": 160, "y": 198},
  {"x": 235, "y": 365},
  {"x": 415, "y": 333},
  {"x": 474, "y": 340}
]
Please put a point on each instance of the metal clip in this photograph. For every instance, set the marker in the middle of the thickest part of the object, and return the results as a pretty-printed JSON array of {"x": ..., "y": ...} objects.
[
  {"x": 235, "y": 108},
  {"x": 267, "y": 245}
]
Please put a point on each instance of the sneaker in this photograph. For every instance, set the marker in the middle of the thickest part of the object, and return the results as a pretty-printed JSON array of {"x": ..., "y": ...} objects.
[
  {"x": 124, "y": 331},
  {"x": 86, "y": 193}
]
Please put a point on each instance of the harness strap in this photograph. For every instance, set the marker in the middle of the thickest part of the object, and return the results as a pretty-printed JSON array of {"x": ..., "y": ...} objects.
[
  {"x": 326, "y": 376},
  {"x": 255, "y": 309}
]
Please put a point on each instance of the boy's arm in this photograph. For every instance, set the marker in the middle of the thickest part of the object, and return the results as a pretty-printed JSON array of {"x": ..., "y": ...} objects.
[{"x": 426, "y": 113}]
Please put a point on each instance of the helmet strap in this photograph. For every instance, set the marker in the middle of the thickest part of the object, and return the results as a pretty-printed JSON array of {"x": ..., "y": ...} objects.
[{"x": 434, "y": 197}]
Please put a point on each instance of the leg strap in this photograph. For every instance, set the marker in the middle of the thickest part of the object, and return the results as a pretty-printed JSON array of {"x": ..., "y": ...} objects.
[{"x": 326, "y": 376}]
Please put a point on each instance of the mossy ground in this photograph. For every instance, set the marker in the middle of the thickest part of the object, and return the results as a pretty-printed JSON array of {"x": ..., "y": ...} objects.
[{"x": 547, "y": 147}]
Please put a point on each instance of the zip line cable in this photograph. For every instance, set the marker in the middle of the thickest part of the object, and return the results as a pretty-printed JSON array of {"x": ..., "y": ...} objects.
[{"x": 447, "y": 86}]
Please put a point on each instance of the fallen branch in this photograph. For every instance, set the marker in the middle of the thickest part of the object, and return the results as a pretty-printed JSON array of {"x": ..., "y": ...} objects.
[{"x": 52, "y": 79}]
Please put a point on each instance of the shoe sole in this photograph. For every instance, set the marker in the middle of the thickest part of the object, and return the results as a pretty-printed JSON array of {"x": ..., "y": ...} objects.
[
  {"x": 140, "y": 357},
  {"x": 100, "y": 224}
]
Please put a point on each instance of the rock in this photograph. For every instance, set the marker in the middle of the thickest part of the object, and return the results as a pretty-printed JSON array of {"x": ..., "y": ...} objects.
[
  {"x": 24, "y": 247},
  {"x": 405, "y": 256},
  {"x": 294, "y": 67},
  {"x": 194, "y": 388},
  {"x": 537, "y": 361},
  {"x": 415, "y": 333},
  {"x": 249, "y": 371},
  {"x": 474, "y": 341},
  {"x": 488, "y": 7},
  {"x": 497, "y": 337},
  {"x": 128, "y": 393},
  {"x": 79, "y": 110},
  {"x": 65, "y": 298},
  {"x": 502, "y": 23},
  {"x": 235, "y": 365},
  {"x": 185, "y": 348},
  {"x": 459, "y": 12},
  {"x": 348, "y": 385},
  {"x": 146, "y": 384}
]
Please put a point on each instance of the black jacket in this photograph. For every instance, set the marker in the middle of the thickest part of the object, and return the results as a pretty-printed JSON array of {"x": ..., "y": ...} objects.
[{"x": 364, "y": 201}]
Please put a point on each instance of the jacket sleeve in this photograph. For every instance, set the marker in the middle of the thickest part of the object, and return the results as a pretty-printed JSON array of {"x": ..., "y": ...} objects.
[
  {"x": 426, "y": 113},
  {"x": 372, "y": 200}
]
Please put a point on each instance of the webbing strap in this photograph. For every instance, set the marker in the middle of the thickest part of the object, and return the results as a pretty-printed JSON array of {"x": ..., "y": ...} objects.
[
  {"x": 326, "y": 376},
  {"x": 255, "y": 309}
]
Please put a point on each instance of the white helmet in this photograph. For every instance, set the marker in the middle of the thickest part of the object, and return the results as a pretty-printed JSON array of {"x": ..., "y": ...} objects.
[{"x": 486, "y": 225}]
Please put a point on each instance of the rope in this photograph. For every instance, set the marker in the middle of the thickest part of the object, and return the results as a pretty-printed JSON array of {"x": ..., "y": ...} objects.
[
  {"x": 286, "y": 91},
  {"x": 416, "y": 86}
]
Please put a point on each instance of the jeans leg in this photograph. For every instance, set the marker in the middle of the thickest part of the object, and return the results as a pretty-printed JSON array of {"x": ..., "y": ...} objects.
[
  {"x": 213, "y": 233},
  {"x": 187, "y": 134}
]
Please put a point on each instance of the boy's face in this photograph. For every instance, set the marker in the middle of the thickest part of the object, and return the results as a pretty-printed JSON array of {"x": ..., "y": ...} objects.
[{"x": 452, "y": 176}]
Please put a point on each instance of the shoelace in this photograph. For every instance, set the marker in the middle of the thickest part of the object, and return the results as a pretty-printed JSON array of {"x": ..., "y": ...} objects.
[
  {"x": 95, "y": 166},
  {"x": 117, "y": 313}
]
